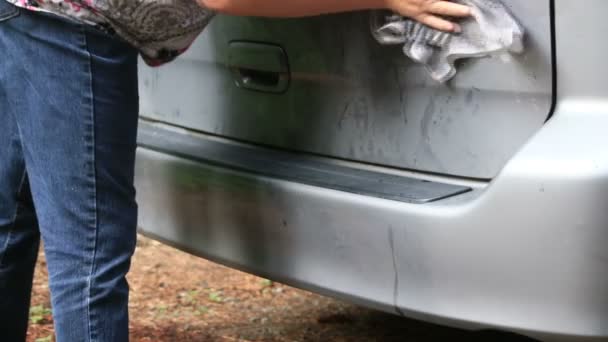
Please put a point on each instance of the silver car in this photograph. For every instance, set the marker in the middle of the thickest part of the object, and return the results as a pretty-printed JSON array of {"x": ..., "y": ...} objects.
[{"x": 303, "y": 151}]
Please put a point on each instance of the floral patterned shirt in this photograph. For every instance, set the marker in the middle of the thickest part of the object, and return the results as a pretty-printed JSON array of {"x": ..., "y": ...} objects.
[{"x": 160, "y": 29}]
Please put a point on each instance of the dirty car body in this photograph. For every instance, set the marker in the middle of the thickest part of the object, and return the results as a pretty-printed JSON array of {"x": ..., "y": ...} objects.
[{"x": 303, "y": 151}]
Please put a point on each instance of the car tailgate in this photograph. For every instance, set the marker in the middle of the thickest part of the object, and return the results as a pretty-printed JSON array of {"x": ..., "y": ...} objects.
[{"x": 324, "y": 86}]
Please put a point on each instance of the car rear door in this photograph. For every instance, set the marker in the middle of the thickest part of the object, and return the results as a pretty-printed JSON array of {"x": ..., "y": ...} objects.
[{"x": 324, "y": 86}]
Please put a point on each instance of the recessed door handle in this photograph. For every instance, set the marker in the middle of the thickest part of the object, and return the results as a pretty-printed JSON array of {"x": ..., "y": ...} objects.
[{"x": 259, "y": 66}]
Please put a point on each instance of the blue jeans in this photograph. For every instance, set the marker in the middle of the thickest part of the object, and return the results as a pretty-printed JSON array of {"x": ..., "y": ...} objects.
[{"x": 68, "y": 122}]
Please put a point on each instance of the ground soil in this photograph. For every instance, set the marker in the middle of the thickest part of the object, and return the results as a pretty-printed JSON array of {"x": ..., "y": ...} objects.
[{"x": 179, "y": 297}]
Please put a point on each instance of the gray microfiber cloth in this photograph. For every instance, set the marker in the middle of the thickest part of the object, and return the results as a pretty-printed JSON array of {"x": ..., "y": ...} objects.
[{"x": 491, "y": 30}]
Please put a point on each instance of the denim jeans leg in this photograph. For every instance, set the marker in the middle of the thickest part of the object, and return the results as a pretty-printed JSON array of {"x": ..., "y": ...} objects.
[
  {"x": 74, "y": 94},
  {"x": 19, "y": 235}
]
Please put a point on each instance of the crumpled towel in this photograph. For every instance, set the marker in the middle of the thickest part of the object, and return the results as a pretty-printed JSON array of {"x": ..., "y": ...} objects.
[{"x": 491, "y": 30}]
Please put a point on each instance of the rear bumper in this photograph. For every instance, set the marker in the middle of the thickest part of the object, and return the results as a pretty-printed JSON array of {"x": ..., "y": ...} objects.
[{"x": 526, "y": 253}]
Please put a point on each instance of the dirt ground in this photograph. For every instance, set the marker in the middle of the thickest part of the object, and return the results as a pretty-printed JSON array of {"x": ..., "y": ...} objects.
[{"x": 179, "y": 297}]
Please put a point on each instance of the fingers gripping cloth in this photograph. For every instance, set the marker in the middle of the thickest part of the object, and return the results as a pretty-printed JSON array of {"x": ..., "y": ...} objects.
[{"x": 492, "y": 29}]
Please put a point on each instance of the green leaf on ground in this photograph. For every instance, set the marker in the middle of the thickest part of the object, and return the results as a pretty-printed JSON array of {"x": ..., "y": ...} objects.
[
  {"x": 216, "y": 297},
  {"x": 266, "y": 283},
  {"x": 39, "y": 313},
  {"x": 45, "y": 339}
]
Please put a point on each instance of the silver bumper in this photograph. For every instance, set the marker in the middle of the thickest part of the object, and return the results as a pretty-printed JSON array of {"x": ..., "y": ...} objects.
[{"x": 526, "y": 253}]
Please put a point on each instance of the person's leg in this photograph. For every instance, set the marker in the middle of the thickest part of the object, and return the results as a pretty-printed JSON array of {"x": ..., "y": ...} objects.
[
  {"x": 19, "y": 237},
  {"x": 74, "y": 92}
]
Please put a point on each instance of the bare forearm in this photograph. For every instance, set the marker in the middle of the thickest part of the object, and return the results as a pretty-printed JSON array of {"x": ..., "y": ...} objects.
[
  {"x": 290, "y": 8},
  {"x": 429, "y": 12}
]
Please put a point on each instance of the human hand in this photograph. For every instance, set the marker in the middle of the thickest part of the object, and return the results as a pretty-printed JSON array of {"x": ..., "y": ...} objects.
[{"x": 432, "y": 13}]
